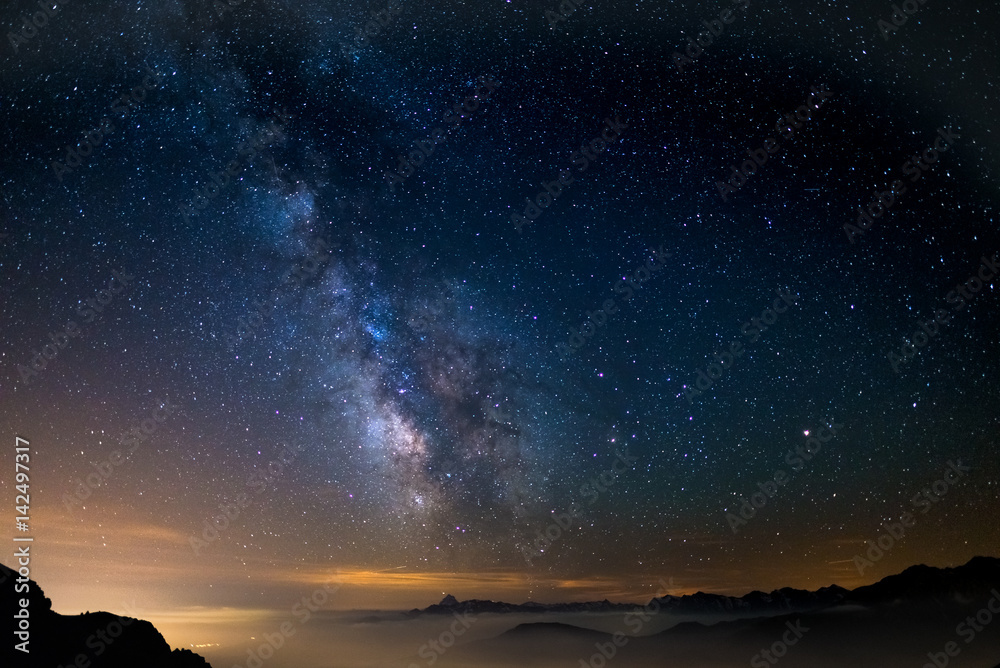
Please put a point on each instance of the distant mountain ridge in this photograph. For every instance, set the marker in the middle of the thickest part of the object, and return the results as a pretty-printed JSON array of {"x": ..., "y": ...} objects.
[
  {"x": 100, "y": 638},
  {"x": 913, "y": 584},
  {"x": 907, "y": 619},
  {"x": 450, "y": 604}
]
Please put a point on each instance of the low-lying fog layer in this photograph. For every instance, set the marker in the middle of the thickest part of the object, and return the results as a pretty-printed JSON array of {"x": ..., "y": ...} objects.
[{"x": 901, "y": 636}]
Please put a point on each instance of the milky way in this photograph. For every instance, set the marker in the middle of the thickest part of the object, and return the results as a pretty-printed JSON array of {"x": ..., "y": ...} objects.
[{"x": 367, "y": 230}]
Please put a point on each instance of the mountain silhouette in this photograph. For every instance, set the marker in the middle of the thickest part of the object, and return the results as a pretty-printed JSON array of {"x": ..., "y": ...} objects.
[
  {"x": 904, "y": 619},
  {"x": 103, "y": 639},
  {"x": 450, "y": 604},
  {"x": 544, "y": 628},
  {"x": 942, "y": 585},
  {"x": 915, "y": 584}
]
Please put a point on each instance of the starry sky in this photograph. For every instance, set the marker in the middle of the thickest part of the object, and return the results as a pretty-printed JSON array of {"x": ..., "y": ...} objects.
[{"x": 316, "y": 273}]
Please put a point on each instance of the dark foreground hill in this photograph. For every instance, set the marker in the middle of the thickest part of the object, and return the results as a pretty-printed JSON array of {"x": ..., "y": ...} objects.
[{"x": 92, "y": 640}]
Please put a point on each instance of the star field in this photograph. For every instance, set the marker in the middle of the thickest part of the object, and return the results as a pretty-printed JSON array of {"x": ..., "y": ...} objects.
[{"x": 399, "y": 335}]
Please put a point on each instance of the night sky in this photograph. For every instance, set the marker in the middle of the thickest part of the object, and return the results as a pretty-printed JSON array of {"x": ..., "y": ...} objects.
[{"x": 305, "y": 283}]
